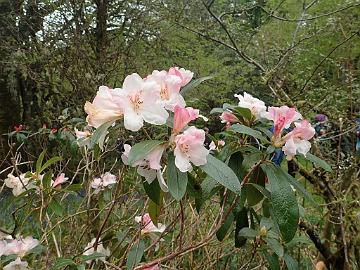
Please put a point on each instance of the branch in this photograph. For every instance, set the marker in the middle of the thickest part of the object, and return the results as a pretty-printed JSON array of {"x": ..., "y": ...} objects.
[
  {"x": 314, "y": 237},
  {"x": 271, "y": 14},
  {"x": 324, "y": 59},
  {"x": 245, "y": 57}
]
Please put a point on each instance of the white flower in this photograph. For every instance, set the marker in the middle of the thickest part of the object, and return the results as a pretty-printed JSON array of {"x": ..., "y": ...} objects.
[
  {"x": 141, "y": 103},
  {"x": 148, "y": 226},
  {"x": 17, "y": 265},
  {"x": 190, "y": 147},
  {"x": 169, "y": 89},
  {"x": 89, "y": 249},
  {"x": 20, "y": 246},
  {"x": 256, "y": 106},
  {"x": 18, "y": 184},
  {"x": 149, "y": 167},
  {"x": 105, "y": 180}
]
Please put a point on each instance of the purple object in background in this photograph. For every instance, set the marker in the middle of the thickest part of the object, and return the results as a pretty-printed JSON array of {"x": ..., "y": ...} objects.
[{"x": 321, "y": 117}]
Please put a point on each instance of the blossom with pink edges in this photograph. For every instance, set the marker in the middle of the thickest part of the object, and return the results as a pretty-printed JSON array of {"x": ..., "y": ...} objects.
[
  {"x": 18, "y": 264},
  {"x": 297, "y": 141},
  {"x": 59, "y": 180},
  {"x": 256, "y": 106},
  {"x": 190, "y": 147},
  {"x": 140, "y": 103},
  {"x": 148, "y": 226},
  {"x": 182, "y": 117},
  {"x": 169, "y": 89},
  {"x": 20, "y": 246},
  {"x": 282, "y": 116},
  {"x": 107, "y": 106},
  {"x": 228, "y": 117},
  {"x": 149, "y": 167},
  {"x": 183, "y": 74}
]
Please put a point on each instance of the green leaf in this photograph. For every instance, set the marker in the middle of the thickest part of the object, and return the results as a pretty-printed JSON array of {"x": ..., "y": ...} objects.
[
  {"x": 193, "y": 84},
  {"x": 221, "y": 173},
  {"x": 61, "y": 263},
  {"x": 208, "y": 186},
  {"x": 261, "y": 189},
  {"x": 254, "y": 195},
  {"x": 242, "y": 223},
  {"x": 248, "y": 233},
  {"x": 221, "y": 233},
  {"x": 235, "y": 163},
  {"x": 176, "y": 180},
  {"x": 50, "y": 162},
  {"x": 153, "y": 190},
  {"x": 40, "y": 161},
  {"x": 74, "y": 187},
  {"x": 248, "y": 131},
  {"x": 319, "y": 162},
  {"x": 299, "y": 187},
  {"x": 272, "y": 260},
  {"x": 217, "y": 110},
  {"x": 99, "y": 135},
  {"x": 55, "y": 206},
  {"x": 154, "y": 211},
  {"x": 275, "y": 246},
  {"x": 194, "y": 190},
  {"x": 291, "y": 264},
  {"x": 141, "y": 150},
  {"x": 243, "y": 112},
  {"x": 93, "y": 256},
  {"x": 46, "y": 179},
  {"x": 284, "y": 206},
  {"x": 135, "y": 255}
]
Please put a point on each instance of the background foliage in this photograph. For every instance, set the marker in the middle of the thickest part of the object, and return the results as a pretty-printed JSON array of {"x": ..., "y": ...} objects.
[{"x": 54, "y": 54}]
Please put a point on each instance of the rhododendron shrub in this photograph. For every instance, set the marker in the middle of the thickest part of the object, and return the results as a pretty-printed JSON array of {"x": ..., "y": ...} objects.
[{"x": 164, "y": 159}]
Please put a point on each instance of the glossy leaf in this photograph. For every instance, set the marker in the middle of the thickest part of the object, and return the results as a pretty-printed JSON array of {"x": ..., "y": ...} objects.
[
  {"x": 50, "y": 162},
  {"x": 275, "y": 246},
  {"x": 46, "y": 179},
  {"x": 243, "y": 112},
  {"x": 135, "y": 254},
  {"x": 141, "y": 150},
  {"x": 99, "y": 135},
  {"x": 176, "y": 180},
  {"x": 154, "y": 211},
  {"x": 299, "y": 188},
  {"x": 248, "y": 233},
  {"x": 254, "y": 195},
  {"x": 284, "y": 206},
  {"x": 291, "y": 264},
  {"x": 221, "y": 173},
  {"x": 61, "y": 263},
  {"x": 248, "y": 131},
  {"x": 154, "y": 192},
  {"x": 40, "y": 161},
  {"x": 319, "y": 162},
  {"x": 93, "y": 256},
  {"x": 242, "y": 223},
  {"x": 221, "y": 233},
  {"x": 56, "y": 207},
  {"x": 272, "y": 260},
  {"x": 194, "y": 83}
]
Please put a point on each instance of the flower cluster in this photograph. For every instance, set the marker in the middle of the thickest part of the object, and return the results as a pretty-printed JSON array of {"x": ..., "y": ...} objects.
[
  {"x": 139, "y": 99},
  {"x": 19, "y": 247},
  {"x": 150, "y": 100},
  {"x": 294, "y": 142}
]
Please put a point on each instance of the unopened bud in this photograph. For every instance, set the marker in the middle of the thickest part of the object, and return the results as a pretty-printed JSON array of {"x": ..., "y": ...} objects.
[{"x": 263, "y": 231}]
